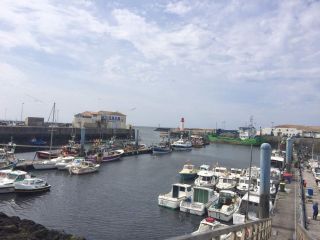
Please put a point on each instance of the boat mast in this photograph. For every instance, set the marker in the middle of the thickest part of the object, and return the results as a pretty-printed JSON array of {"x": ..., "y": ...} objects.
[
  {"x": 51, "y": 135},
  {"x": 247, "y": 211}
]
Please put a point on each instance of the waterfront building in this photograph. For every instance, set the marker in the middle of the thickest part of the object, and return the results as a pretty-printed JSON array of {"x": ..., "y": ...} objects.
[
  {"x": 292, "y": 131},
  {"x": 247, "y": 132},
  {"x": 101, "y": 119}
]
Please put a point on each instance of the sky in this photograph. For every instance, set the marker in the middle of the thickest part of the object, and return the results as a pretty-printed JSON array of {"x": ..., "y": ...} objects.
[{"x": 214, "y": 62}]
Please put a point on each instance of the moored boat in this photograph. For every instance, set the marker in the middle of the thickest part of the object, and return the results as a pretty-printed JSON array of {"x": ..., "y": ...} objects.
[
  {"x": 106, "y": 155},
  {"x": 84, "y": 167},
  {"x": 205, "y": 177},
  {"x": 46, "y": 164},
  {"x": 226, "y": 183},
  {"x": 188, "y": 172},
  {"x": 243, "y": 186},
  {"x": 200, "y": 200},
  {"x": 47, "y": 154},
  {"x": 209, "y": 224},
  {"x": 224, "y": 207},
  {"x": 31, "y": 185},
  {"x": 65, "y": 161},
  {"x": 182, "y": 145},
  {"x": 8, "y": 179},
  {"x": 178, "y": 193},
  {"x": 161, "y": 149}
]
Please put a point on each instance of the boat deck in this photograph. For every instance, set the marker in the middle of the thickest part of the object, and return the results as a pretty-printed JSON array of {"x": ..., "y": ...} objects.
[{"x": 313, "y": 226}]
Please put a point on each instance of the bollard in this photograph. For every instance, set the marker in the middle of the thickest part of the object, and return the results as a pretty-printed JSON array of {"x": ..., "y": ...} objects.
[{"x": 265, "y": 162}]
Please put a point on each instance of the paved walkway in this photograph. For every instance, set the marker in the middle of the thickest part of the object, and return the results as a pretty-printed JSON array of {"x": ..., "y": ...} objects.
[
  {"x": 313, "y": 226},
  {"x": 283, "y": 219}
]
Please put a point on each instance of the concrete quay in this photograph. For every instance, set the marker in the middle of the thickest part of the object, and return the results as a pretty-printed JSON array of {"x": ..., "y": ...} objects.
[{"x": 313, "y": 226}]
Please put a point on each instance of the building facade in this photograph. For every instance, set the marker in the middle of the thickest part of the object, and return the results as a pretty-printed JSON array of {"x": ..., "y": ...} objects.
[
  {"x": 292, "y": 131},
  {"x": 247, "y": 132},
  {"x": 101, "y": 119}
]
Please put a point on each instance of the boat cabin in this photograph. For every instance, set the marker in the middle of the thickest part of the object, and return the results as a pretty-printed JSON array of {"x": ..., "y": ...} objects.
[
  {"x": 220, "y": 171},
  {"x": 16, "y": 175},
  {"x": 204, "y": 167},
  {"x": 202, "y": 194},
  {"x": 277, "y": 162},
  {"x": 180, "y": 190}
]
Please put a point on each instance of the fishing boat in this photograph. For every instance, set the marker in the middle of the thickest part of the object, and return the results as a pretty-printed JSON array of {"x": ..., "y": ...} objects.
[
  {"x": 224, "y": 207},
  {"x": 243, "y": 186},
  {"x": 226, "y": 183},
  {"x": 182, "y": 145},
  {"x": 178, "y": 193},
  {"x": 84, "y": 168},
  {"x": 31, "y": 185},
  {"x": 200, "y": 200},
  {"x": 8, "y": 179},
  {"x": 162, "y": 148},
  {"x": 249, "y": 206},
  {"x": 71, "y": 149},
  {"x": 205, "y": 177},
  {"x": 106, "y": 155},
  {"x": 209, "y": 224},
  {"x": 188, "y": 172}
]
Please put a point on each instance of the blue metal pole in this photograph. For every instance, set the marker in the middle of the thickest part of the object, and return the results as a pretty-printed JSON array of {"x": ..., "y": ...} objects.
[
  {"x": 289, "y": 149},
  {"x": 265, "y": 161}
]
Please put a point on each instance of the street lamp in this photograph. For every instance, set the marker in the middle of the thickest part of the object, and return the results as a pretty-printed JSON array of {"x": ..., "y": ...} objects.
[{"x": 22, "y": 110}]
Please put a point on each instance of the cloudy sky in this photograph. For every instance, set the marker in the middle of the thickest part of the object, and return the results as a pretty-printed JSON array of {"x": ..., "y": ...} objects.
[{"x": 209, "y": 61}]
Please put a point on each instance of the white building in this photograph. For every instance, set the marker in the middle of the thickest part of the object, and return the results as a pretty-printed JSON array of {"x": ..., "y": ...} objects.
[
  {"x": 282, "y": 131},
  {"x": 247, "y": 132},
  {"x": 292, "y": 131},
  {"x": 101, "y": 119}
]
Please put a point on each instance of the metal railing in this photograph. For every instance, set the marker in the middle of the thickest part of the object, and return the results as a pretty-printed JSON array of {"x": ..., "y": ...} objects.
[
  {"x": 302, "y": 233},
  {"x": 253, "y": 230}
]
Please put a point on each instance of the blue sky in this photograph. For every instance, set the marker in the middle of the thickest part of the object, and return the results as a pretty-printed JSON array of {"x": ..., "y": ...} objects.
[{"x": 157, "y": 61}]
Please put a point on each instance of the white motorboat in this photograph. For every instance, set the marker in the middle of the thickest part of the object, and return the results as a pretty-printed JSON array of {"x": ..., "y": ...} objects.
[
  {"x": 46, "y": 164},
  {"x": 182, "y": 145},
  {"x": 224, "y": 207},
  {"x": 32, "y": 185},
  {"x": 205, "y": 178},
  {"x": 65, "y": 161},
  {"x": 84, "y": 168},
  {"x": 200, "y": 200},
  {"x": 8, "y": 179},
  {"x": 255, "y": 172},
  {"x": 226, "y": 183},
  {"x": 178, "y": 193},
  {"x": 209, "y": 224},
  {"x": 250, "y": 207},
  {"x": 76, "y": 162},
  {"x": 243, "y": 186},
  {"x": 273, "y": 189},
  {"x": 220, "y": 171},
  {"x": 188, "y": 172},
  {"x": 236, "y": 173}
]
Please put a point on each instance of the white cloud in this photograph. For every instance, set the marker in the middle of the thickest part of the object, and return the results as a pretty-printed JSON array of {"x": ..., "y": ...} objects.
[{"x": 179, "y": 8}]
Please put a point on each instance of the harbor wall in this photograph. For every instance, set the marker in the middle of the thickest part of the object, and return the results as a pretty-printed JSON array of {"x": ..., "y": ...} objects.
[{"x": 23, "y": 134}]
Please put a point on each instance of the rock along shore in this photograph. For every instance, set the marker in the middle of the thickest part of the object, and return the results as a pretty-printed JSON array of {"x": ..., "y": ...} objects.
[{"x": 14, "y": 228}]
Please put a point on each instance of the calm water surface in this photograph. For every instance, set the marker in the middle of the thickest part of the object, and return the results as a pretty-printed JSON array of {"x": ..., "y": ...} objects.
[{"x": 120, "y": 201}]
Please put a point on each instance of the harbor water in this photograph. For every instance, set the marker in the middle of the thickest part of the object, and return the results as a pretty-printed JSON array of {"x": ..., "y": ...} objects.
[{"x": 120, "y": 201}]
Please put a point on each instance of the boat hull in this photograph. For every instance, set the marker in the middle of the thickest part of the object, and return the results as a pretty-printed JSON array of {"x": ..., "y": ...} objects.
[
  {"x": 221, "y": 216},
  {"x": 32, "y": 190},
  {"x": 169, "y": 202},
  {"x": 181, "y": 148},
  {"x": 193, "y": 208},
  {"x": 40, "y": 166},
  {"x": 188, "y": 176},
  {"x": 9, "y": 189},
  {"x": 46, "y": 155}
]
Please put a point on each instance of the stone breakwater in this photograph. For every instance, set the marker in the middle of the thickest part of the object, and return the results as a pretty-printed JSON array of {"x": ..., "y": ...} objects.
[{"x": 14, "y": 228}]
